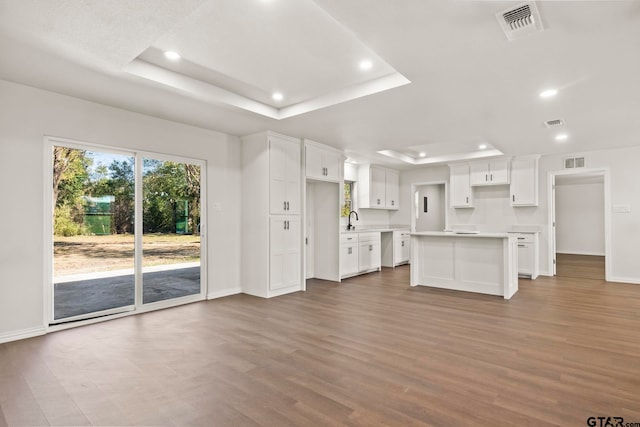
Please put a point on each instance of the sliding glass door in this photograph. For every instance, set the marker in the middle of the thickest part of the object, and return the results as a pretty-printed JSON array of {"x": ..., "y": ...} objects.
[
  {"x": 125, "y": 231},
  {"x": 171, "y": 230}
]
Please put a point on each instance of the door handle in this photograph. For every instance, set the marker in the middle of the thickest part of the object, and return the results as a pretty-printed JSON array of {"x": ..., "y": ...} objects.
[
  {"x": 485, "y": 177},
  {"x": 370, "y": 248},
  {"x": 521, "y": 246},
  {"x": 284, "y": 206},
  {"x": 513, "y": 197},
  {"x": 288, "y": 206}
]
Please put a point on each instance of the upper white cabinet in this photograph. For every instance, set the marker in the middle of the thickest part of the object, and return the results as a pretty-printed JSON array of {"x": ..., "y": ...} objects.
[
  {"x": 322, "y": 162},
  {"x": 271, "y": 224},
  {"x": 524, "y": 181},
  {"x": 460, "y": 186},
  {"x": 284, "y": 176},
  {"x": 378, "y": 188},
  {"x": 494, "y": 172}
]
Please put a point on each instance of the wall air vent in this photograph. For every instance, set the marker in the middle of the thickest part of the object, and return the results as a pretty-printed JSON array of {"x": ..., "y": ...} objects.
[
  {"x": 554, "y": 123},
  {"x": 520, "y": 21},
  {"x": 573, "y": 162}
]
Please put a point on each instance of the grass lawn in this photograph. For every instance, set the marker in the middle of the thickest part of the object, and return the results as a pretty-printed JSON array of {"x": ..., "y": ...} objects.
[{"x": 85, "y": 254}]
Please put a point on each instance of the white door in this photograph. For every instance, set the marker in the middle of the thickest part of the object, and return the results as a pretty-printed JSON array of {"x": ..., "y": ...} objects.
[
  {"x": 479, "y": 173},
  {"x": 314, "y": 164},
  {"x": 460, "y": 186},
  {"x": 525, "y": 258},
  {"x": 499, "y": 172},
  {"x": 333, "y": 165},
  {"x": 292, "y": 165},
  {"x": 348, "y": 259},
  {"x": 278, "y": 176},
  {"x": 378, "y": 184},
  {"x": 277, "y": 253},
  {"x": 292, "y": 258},
  {"x": 392, "y": 192}
]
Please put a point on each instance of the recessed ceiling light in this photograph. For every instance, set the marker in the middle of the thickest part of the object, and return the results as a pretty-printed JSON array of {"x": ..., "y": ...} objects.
[
  {"x": 422, "y": 154},
  {"x": 277, "y": 96},
  {"x": 561, "y": 137},
  {"x": 174, "y": 56},
  {"x": 548, "y": 93},
  {"x": 366, "y": 65},
  {"x": 482, "y": 146}
]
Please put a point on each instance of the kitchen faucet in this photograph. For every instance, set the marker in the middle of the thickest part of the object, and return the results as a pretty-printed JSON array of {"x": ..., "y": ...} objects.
[{"x": 349, "y": 225}]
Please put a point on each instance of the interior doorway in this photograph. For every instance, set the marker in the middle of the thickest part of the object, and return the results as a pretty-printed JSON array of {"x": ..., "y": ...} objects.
[
  {"x": 429, "y": 206},
  {"x": 579, "y": 242}
]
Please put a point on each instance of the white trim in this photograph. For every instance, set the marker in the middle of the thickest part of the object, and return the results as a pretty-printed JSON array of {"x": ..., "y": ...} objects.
[
  {"x": 630, "y": 280},
  {"x": 580, "y": 253},
  {"x": 224, "y": 293},
  {"x": 606, "y": 172},
  {"x": 22, "y": 334}
]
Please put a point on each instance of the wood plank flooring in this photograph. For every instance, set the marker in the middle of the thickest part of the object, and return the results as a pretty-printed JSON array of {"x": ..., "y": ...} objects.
[
  {"x": 370, "y": 351},
  {"x": 580, "y": 266}
]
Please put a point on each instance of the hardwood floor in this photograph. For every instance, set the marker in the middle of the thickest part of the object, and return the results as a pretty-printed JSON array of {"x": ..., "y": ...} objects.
[
  {"x": 369, "y": 351},
  {"x": 580, "y": 266}
]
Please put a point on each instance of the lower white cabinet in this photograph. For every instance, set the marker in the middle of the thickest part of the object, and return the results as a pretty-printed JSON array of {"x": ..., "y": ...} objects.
[
  {"x": 401, "y": 247},
  {"x": 284, "y": 249},
  {"x": 369, "y": 252},
  {"x": 527, "y": 254},
  {"x": 359, "y": 253},
  {"x": 349, "y": 255}
]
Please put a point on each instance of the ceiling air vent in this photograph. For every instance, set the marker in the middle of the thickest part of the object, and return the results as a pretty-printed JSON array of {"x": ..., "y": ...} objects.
[
  {"x": 520, "y": 21},
  {"x": 573, "y": 162},
  {"x": 554, "y": 123}
]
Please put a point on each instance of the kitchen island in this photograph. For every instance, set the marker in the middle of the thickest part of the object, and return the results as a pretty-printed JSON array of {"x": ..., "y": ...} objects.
[{"x": 485, "y": 263}]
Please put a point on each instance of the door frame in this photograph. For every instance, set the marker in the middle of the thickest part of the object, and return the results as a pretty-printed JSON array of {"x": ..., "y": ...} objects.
[
  {"x": 412, "y": 202},
  {"x": 551, "y": 200},
  {"x": 138, "y": 307}
]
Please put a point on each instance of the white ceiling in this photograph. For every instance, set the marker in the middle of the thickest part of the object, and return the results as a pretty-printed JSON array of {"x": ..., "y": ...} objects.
[{"x": 468, "y": 82}]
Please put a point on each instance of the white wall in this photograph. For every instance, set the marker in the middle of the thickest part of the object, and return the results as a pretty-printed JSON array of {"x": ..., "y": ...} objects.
[
  {"x": 580, "y": 219},
  {"x": 493, "y": 212},
  {"x": 26, "y": 116}
]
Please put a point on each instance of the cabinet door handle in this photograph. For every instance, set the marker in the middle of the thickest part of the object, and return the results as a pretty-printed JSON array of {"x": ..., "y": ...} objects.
[
  {"x": 288, "y": 206},
  {"x": 350, "y": 250},
  {"x": 521, "y": 246},
  {"x": 491, "y": 176},
  {"x": 370, "y": 248},
  {"x": 520, "y": 238},
  {"x": 485, "y": 177},
  {"x": 393, "y": 202},
  {"x": 513, "y": 197},
  {"x": 467, "y": 199},
  {"x": 284, "y": 206},
  {"x": 402, "y": 244},
  {"x": 378, "y": 201}
]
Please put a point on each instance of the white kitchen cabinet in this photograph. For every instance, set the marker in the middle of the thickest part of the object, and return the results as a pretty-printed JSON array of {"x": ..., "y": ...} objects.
[
  {"x": 369, "y": 257},
  {"x": 494, "y": 172},
  {"x": 322, "y": 162},
  {"x": 524, "y": 181},
  {"x": 378, "y": 188},
  {"x": 460, "y": 186},
  {"x": 284, "y": 248},
  {"x": 392, "y": 189},
  {"x": 284, "y": 176},
  {"x": 402, "y": 248},
  {"x": 349, "y": 255},
  {"x": 271, "y": 224},
  {"x": 528, "y": 254}
]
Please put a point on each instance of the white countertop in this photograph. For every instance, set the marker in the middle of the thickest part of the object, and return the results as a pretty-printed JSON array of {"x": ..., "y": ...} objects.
[
  {"x": 381, "y": 229},
  {"x": 464, "y": 234}
]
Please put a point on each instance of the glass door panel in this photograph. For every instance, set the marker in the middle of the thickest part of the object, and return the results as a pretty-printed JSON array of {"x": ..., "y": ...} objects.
[
  {"x": 93, "y": 226},
  {"x": 171, "y": 230}
]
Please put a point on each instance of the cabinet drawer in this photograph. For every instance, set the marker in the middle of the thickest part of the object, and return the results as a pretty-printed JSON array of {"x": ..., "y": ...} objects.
[
  {"x": 369, "y": 237},
  {"x": 345, "y": 239},
  {"x": 524, "y": 237}
]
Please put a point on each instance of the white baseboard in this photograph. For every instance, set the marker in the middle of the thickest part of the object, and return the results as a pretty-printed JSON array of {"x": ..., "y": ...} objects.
[
  {"x": 224, "y": 293},
  {"x": 22, "y": 334},
  {"x": 632, "y": 280},
  {"x": 580, "y": 253}
]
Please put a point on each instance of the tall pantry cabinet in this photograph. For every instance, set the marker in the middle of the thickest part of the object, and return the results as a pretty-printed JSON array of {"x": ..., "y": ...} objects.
[{"x": 271, "y": 225}]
